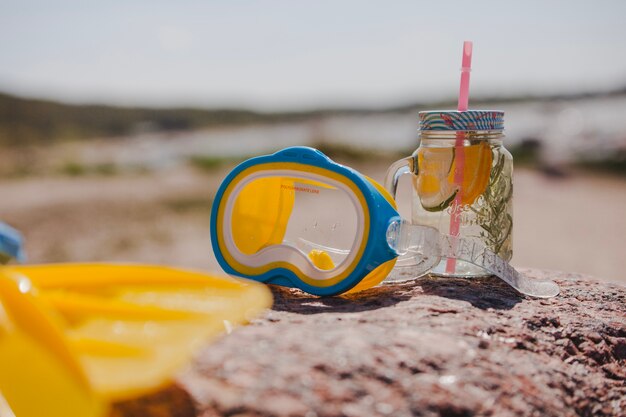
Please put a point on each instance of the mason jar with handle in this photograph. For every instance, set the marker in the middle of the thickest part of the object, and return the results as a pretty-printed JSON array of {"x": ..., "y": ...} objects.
[{"x": 462, "y": 182}]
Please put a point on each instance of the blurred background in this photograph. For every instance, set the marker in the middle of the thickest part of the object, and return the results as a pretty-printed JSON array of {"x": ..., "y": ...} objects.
[{"x": 118, "y": 120}]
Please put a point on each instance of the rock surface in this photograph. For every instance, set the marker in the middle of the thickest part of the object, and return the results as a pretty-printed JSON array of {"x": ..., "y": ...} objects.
[{"x": 426, "y": 347}]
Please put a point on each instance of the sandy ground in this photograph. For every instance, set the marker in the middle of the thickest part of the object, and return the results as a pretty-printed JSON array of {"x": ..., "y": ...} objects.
[{"x": 576, "y": 224}]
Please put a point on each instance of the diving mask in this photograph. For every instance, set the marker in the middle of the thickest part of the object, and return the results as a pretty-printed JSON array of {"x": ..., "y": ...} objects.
[{"x": 298, "y": 219}]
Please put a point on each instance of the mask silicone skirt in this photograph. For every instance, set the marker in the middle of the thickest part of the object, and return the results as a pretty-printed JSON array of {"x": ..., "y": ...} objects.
[{"x": 296, "y": 218}]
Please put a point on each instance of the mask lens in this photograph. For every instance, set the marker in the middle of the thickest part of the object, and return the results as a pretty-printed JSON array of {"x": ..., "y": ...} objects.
[{"x": 317, "y": 217}]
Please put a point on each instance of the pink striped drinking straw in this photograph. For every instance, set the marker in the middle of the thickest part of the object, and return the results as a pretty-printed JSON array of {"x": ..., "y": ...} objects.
[{"x": 455, "y": 220}]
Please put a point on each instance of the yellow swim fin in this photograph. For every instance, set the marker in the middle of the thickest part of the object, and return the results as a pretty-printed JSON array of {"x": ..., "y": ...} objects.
[
  {"x": 41, "y": 375},
  {"x": 115, "y": 331}
]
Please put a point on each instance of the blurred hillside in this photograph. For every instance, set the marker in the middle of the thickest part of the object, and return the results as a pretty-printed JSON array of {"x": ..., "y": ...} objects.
[
  {"x": 26, "y": 121},
  {"x": 33, "y": 121}
]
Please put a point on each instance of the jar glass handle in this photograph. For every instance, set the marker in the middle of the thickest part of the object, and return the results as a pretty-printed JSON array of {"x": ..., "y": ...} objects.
[
  {"x": 396, "y": 170},
  {"x": 418, "y": 261}
]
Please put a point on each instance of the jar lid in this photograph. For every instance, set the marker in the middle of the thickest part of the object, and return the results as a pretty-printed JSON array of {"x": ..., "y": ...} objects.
[{"x": 461, "y": 120}]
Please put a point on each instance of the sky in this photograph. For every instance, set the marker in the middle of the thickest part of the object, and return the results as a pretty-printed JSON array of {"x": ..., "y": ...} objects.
[{"x": 290, "y": 55}]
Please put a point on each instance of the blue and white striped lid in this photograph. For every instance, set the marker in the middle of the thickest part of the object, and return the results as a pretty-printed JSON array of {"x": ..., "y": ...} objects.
[
  {"x": 10, "y": 244},
  {"x": 461, "y": 120}
]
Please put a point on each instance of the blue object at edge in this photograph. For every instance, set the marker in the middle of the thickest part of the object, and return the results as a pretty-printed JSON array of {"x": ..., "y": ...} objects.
[
  {"x": 377, "y": 250},
  {"x": 11, "y": 243}
]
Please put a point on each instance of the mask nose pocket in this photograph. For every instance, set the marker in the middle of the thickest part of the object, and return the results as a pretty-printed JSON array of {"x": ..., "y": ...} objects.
[{"x": 261, "y": 213}]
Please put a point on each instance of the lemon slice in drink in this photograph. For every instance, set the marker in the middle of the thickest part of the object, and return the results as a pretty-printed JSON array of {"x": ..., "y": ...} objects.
[
  {"x": 433, "y": 188},
  {"x": 476, "y": 171},
  {"x": 435, "y": 182}
]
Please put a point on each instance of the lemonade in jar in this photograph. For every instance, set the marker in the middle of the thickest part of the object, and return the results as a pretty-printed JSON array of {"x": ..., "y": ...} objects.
[{"x": 461, "y": 177}]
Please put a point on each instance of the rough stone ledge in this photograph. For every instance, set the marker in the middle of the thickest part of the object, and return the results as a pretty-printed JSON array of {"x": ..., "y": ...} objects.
[{"x": 426, "y": 347}]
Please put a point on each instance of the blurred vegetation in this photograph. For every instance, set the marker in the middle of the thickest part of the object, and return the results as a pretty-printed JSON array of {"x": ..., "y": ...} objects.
[
  {"x": 611, "y": 164},
  {"x": 76, "y": 169},
  {"x": 527, "y": 152},
  {"x": 344, "y": 152},
  {"x": 189, "y": 204},
  {"x": 73, "y": 169},
  {"x": 213, "y": 163}
]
